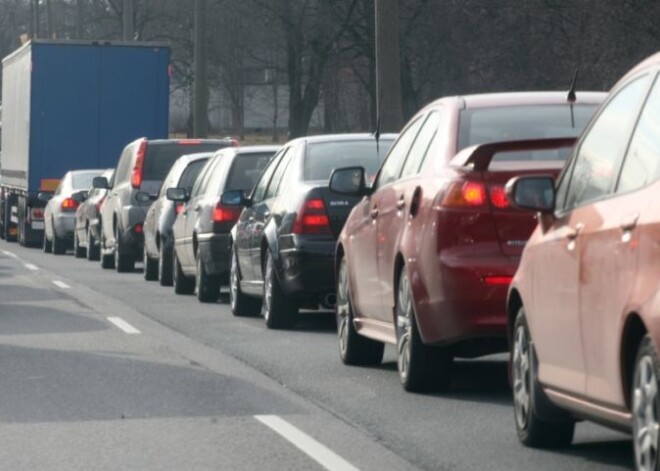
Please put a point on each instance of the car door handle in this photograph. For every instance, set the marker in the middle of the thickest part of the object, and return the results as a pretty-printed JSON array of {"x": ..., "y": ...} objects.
[
  {"x": 401, "y": 203},
  {"x": 572, "y": 233},
  {"x": 629, "y": 222},
  {"x": 198, "y": 207},
  {"x": 374, "y": 213}
]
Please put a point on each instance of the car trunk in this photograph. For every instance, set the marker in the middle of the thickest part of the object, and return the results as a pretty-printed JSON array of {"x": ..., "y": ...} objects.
[{"x": 337, "y": 207}]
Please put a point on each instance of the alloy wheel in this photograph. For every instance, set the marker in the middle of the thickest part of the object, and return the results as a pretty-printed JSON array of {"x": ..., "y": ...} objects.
[
  {"x": 342, "y": 308},
  {"x": 521, "y": 376},
  {"x": 233, "y": 283},
  {"x": 268, "y": 288},
  {"x": 404, "y": 312},
  {"x": 645, "y": 415}
]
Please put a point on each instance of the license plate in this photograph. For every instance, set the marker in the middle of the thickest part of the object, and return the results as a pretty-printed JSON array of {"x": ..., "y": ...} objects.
[{"x": 39, "y": 225}]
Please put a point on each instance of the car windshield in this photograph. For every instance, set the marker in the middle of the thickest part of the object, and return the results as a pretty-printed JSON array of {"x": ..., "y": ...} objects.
[
  {"x": 161, "y": 157},
  {"x": 82, "y": 181},
  {"x": 323, "y": 157},
  {"x": 512, "y": 123},
  {"x": 246, "y": 170}
]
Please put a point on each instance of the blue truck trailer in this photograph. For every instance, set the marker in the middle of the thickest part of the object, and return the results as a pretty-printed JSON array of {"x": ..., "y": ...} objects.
[{"x": 71, "y": 105}]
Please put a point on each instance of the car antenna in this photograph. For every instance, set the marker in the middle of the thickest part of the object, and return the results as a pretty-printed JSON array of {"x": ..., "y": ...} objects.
[
  {"x": 377, "y": 131},
  {"x": 571, "y": 97}
]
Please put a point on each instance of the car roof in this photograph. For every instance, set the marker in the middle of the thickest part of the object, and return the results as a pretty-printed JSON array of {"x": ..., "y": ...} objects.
[
  {"x": 192, "y": 141},
  {"x": 197, "y": 156},
  {"x": 648, "y": 63},
  {"x": 486, "y": 100},
  {"x": 321, "y": 138}
]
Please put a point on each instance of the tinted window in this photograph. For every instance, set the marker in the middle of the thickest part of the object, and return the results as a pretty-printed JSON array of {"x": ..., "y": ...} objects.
[
  {"x": 203, "y": 177},
  {"x": 246, "y": 170},
  {"x": 322, "y": 158},
  {"x": 161, "y": 157},
  {"x": 190, "y": 174},
  {"x": 262, "y": 184},
  {"x": 421, "y": 145},
  {"x": 82, "y": 181},
  {"x": 642, "y": 164},
  {"x": 275, "y": 182},
  {"x": 394, "y": 162},
  {"x": 596, "y": 162}
]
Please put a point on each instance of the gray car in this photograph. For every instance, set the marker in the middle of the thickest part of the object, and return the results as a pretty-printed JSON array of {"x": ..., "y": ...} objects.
[{"x": 60, "y": 212}]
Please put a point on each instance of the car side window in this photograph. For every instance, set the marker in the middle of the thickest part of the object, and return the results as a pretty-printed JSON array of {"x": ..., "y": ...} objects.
[
  {"x": 391, "y": 168},
  {"x": 276, "y": 181},
  {"x": 421, "y": 145},
  {"x": 597, "y": 160},
  {"x": 206, "y": 178},
  {"x": 123, "y": 167},
  {"x": 642, "y": 163},
  {"x": 262, "y": 184},
  {"x": 202, "y": 175},
  {"x": 216, "y": 177}
]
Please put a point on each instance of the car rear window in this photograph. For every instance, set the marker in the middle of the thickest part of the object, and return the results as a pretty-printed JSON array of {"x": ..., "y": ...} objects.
[
  {"x": 190, "y": 173},
  {"x": 161, "y": 157},
  {"x": 83, "y": 181},
  {"x": 246, "y": 170},
  {"x": 512, "y": 123},
  {"x": 323, "y": 157}
]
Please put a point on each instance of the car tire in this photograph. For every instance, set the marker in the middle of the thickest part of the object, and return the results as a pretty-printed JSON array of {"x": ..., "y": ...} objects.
[
  {"x": 645, "y": 405},
  {"x": 78, "y": 251},
  {"x": 59, "y": 244},
  {"x": 182, "y": 284},
  {"x": 278, "y": 311},
  {"x": 354, "y": 349},
  {"x": 48, "y": 245},
  {"x": 529, "y": 398},
  {"x": 150, "y": 266},
  {"x": 206, "y": 286},
  {"x": 123, "y": 263},
  {"x": 241, "y": 304},
  {"x": 421, "y": 367},
  {"x": 93, "y": 250},
  {"x": 107, "y": 260},
  {"x": 164, "y": 265}
]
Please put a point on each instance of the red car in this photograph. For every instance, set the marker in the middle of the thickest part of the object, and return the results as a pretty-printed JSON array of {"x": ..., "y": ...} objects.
[
  {"x": 584, "y": 306},
  {"x": 425, "y": 259}
]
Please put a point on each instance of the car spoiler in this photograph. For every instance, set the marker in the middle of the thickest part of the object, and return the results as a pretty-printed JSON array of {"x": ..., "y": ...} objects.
[{"x": 480, "y": 156}]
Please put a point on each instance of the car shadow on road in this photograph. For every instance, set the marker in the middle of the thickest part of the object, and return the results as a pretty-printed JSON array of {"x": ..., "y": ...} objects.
[
  {"x": 606, "y": 452},
  {"x": 317, "y": 322}
]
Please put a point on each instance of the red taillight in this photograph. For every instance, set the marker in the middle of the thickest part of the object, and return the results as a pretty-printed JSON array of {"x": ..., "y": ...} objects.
[
  {"x": 136, "y": 176},
  {"x": 189, "y": 142},
  {"x": 312, "y": 218},
  {"x": 37, "y": 213},
  {"x": 235, "y": 142},
  {"x": 497, "y": 280},
  {"x": 137, "y": 228},
  {"x": 69, "y": 204},
  {"x": 465, "y": 194},
  {"x": 498, "y": 197},
  {"x": 178, "y": 208},
  {"x": 225, "y": 213}
]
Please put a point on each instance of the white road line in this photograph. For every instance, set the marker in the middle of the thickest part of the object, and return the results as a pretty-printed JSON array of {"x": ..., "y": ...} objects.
[
  {"x": 10, "y": 254},
  {"x": 123, "y": 325},
  {"x": 315, "y": 450},
  {"x": 29, "y": 266},
  {"x": 61, "y": 284}
]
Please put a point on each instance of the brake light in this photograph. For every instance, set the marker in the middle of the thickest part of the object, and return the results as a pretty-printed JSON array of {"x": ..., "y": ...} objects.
[
  {"x": 498, "y": 197},
  {"x": 465, "y": 194},
  {"x": 190, "y": 142},
  {"x": 37, "y": 213},
  {"x": 312, "y": 218},
  {"x": 497, "y": 280},
  {"x": 137, "y": 228},
  {"x": 178, "y": 208},
  {"x": 235, "y": 142},
  {"x": 69, "y": 204},
  {"x": 136, "y": 176},
  {"x": 226, "y": 213}
]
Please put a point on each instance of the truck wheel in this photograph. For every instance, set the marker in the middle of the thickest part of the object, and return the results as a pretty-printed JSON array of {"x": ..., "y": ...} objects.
[
  {"x": 150, "y": 266},
  {"x": 48, "y": 245},
  {"x": 278, "y": 311},
  {"x": 207, "y": 286},
  {"x": 59, "y": 244},
  {"x": 93, "y": 250},
  {"x": 78, "y": 251},
  {"x": 123, "y": 263},
  {"x": 164, "y": 265},
  {"x": 182, "y": 284}
]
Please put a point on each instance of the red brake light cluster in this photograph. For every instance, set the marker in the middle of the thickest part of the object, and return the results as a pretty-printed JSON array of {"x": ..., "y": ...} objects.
[
  {"x": 312, "y": 218},
  {"x": 497, "y": 280},
  {"x": 136, "y": 176},
  {"x": 471, "y": 194},
  {"x": 226, "y": 213},
  {"x": 189, "y": 142},
  {"x": 69, "y": 204},
  {"x": 178, "y": 208}
]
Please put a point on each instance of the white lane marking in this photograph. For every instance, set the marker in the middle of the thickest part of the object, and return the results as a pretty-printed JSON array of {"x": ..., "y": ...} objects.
[
  {"x": 61, "y": 284},
  {"x": 123, "y": 325},
  {"x": 29, "y": 266},
  {"x": 10, "y": 254},
  {"x": 315, "y": 450}
]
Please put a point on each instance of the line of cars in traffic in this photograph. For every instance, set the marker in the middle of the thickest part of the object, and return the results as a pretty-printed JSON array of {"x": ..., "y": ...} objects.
[{"x": 417, "y": 241}]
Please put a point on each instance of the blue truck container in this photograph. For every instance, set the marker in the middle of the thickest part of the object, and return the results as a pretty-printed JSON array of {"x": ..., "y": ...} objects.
[{"x": 71, "y": 105}]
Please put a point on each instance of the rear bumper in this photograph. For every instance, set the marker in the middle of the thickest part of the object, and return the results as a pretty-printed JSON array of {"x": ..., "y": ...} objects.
[
  {"x": 64, "y": 225},
  {"x": 214, "y": 249},
  {"x": 307, "y": 266}
]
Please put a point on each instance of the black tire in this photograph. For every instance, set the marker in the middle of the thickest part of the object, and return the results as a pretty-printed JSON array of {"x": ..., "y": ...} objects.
[
  {"x": 150, "y": 266},
  {"x": 421, "y": 367},
  {"x": 124, "y": 263},
  {"x": 78, "y": 251},
  {"x": 48, "y": 245},
  {"x": 93, "y": 250},
  {"x": 529, "y": 399},
  {"x": 182, "y": 284},
  {"x": 241, "y": 304},
  {"x": 107, "y": 259},
  {"x": 206, "y": 286},
  {"x": 278, "y": 311},
  {"x": 354, "y": 349},
  {"x": 645, "y": 406},
  {"x": 164, "y": 265},
  {"x": 59, "y": 244}
]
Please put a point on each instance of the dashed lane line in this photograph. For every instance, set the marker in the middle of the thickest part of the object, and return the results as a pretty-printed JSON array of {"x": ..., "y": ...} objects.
[
  {"x": 61, "y": 284},
  {"x": 30, "y": 266},
  {"x": 312, "y": 448},
  {"x": 123, "y": 325}
]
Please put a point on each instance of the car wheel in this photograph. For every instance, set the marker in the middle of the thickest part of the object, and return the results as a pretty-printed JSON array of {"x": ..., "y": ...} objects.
[
  {"x": 164, "y": 265},
  {"x": 123, "y": 263},
  {"x": 354, "y": 349},
  {"x": 645, "y": 406},
  {"x": 78, "y": 251},
  {"x": 182, "y": 284},
  {"x": 93, "y": 251},
  {"x": 150, "y": 266},
  {"x": 48, "y": 245},
  {"x": 528, "y": 397},
  {"x": 207, "y": 286},
  {"x": 421, "y": 367},
  {"x": 278, "y": 311},
  {"x": 241, "y": 304},
  {"x": 59, "y": 243}
]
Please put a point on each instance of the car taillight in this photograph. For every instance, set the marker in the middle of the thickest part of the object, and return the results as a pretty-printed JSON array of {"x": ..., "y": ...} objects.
[
  {"x": 474, "y": 194},
  {"x": 312, "y": 218},
  {"x": 498, "y": 197},
  {"x": 178, "y": 208},
  {"x": 69, "y": 204},
  {"x": 137, "y": 228},
  {"x": 497, "y": 280},
  {"x": 37, "y": 213},
  {"x": 136, "y": 176},
  {"x": 226, "y": 213},
  {"x": 235, "y": 142},
  {"x": 189, "y": 142}
]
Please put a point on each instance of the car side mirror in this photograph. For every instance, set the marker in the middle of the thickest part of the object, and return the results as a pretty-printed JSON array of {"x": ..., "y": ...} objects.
[
  {"x": 535, "y": 193},
  {"x": 180, "y": 195},
  {"x": 348, "y": 181},
  {"x": 44, "y": 196},
  {"x": 234, "y": 198},
  {"x": 101, "y": 183},
  {"x": 80, "y": 196},
  {"x": 144, "y": 197}
]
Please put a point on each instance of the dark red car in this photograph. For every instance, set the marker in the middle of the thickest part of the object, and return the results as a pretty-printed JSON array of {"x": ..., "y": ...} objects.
[
  {"x": 425, "y": 259},
  {"x": 583, "y": 309}
]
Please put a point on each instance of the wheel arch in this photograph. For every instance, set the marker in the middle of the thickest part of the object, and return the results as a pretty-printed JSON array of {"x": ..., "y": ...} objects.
[
  {"x": 513, "y": 305},
  {"x": 399, "y": 266},
  {"x": 633, "y": 332}
]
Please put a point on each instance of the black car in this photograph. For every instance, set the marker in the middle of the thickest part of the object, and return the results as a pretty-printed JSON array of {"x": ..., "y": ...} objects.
[
  {"x": 157, "y": 229},
  {"x": 201, "y": 231},
  {"x": 284, "y": 241},
  {"x": 86, "y": 234}
]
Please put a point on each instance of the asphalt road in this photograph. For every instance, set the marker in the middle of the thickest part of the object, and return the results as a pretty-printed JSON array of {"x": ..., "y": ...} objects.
[{"x": 100, "y": 370}]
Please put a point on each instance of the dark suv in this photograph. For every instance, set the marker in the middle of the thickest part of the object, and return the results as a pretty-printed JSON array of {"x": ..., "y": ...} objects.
[{"x": 142, "y": 166}]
